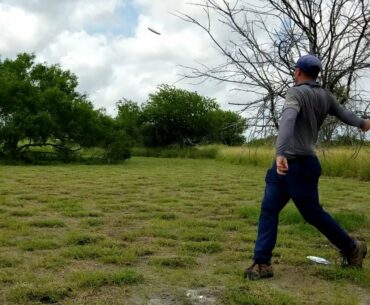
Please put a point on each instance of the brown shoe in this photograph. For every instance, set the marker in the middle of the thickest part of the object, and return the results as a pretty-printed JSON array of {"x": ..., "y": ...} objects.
[
  {"x": 258, "y": 271},
  {"x": 357, "y": 256}
]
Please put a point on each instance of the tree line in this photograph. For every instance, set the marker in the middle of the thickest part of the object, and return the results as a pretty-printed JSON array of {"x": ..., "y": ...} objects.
[{"x": 40, "y": 107}]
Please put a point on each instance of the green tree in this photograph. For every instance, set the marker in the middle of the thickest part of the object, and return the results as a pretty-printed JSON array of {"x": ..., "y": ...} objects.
[
  {"x": 40, "y": 106},
  {"x": 130, "y": 120},
  {"x": 178, "y": 117},
  {"x": 227, "y": 128}
]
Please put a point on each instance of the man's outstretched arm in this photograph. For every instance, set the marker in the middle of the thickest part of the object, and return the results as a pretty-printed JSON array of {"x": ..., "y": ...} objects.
[{"x": 348, "y": 117}]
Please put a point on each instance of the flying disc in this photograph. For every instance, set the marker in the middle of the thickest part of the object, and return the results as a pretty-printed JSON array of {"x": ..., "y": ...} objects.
[
  {"x": 319, "y": 260},
  {"x": 154, "y": 31}
]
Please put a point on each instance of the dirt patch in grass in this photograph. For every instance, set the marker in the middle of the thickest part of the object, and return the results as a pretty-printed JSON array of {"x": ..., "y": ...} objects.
[{"x": 304, "y": 282}]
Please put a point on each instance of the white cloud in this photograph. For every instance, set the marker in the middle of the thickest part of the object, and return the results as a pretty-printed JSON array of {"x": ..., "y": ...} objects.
[
  {"x": 20, "y": 29},
  {"x": 109, "y": 66},
  {"x": 88, "y": 56}
]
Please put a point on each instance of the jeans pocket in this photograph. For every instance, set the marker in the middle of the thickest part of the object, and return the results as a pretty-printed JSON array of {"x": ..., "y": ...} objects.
[{"x": 272, "y": 176}]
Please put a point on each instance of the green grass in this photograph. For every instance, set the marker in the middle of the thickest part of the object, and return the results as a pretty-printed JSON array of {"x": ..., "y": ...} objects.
[
  {"x": 47, "y": 223},
  {"x": 351, "y": 220},
  {"x": 336, "y": 274},
  {"x": 205, "y": 152},
  {"x": 97, "y": 279},
  {"x": 151, "y": 230},
  {"x": 39, "y": 244},
  {"x": 45, "y": 293},
  {"x": 251, "y": 295},
  {"x": 8, "y": 262},
  {"x": 21, "y": 213}
]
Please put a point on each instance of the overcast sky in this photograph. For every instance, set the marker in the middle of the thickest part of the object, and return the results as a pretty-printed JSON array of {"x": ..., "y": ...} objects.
[{"x": 108, "y": 46}]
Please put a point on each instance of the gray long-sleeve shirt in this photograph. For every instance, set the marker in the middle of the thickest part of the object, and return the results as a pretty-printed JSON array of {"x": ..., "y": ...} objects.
[{"x": 306, "y": 106}]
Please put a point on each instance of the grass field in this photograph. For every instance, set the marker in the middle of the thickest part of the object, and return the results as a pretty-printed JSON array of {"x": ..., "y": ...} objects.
[
  {"x": 165, "y": 232},
  {"x": 336, "y": 161}
]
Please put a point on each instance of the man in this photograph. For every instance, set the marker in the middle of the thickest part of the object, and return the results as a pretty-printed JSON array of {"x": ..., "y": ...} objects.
[{"x": 295, "y": 174}]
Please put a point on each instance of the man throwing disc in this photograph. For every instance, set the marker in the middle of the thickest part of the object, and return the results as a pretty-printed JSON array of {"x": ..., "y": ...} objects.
[{"x": 296, "y": 172}]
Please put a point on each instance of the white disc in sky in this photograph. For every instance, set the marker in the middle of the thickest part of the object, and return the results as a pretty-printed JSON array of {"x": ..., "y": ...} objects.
[{"x": 154, "y": 31}]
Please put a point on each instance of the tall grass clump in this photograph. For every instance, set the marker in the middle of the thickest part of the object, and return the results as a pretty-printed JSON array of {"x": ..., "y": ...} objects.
[
  {"x": 346, "y": 162},
  {"x": 247, "y": 155}
]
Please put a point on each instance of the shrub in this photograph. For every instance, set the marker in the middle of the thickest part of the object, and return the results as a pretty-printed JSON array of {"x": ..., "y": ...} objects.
[{"x": 117, "y": 151}]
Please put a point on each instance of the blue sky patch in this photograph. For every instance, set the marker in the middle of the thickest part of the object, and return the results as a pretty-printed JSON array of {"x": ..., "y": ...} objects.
[{"x": 122, "y": 23}]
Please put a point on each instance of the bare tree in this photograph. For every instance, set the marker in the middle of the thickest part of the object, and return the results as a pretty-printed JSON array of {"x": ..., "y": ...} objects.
[{"x": 266, "y": 39}]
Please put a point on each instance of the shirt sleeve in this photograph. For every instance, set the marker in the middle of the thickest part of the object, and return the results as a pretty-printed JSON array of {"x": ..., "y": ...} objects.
[
  {"x": 291, "y": 100},
  {"x": 343, "y": 114},
  {"x": 286, "y": 130}
]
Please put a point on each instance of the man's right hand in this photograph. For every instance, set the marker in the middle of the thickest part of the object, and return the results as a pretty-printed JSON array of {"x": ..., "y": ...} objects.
[
  {"x": 281, "y": 165},
  {"x": 366, "y": 125}
]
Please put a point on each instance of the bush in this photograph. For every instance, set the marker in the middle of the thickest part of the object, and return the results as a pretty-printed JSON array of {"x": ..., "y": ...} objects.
[{"x": 117, "y": 151}]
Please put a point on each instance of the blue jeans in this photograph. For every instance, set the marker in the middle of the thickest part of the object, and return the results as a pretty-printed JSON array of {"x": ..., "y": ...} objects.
[{"x": 301, "y": 185}]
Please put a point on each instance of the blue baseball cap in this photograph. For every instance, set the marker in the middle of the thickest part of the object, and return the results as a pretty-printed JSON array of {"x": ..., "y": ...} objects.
[{"x": 309, "y": 64}]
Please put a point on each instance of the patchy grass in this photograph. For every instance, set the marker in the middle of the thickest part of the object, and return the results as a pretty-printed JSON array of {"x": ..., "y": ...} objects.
[
  {"x": 8, "y": 261},
  {"x": 166, "y": 230},
  {"x": 38, "y": 244},
  {"x": 252, "y": 294},
  {"x": 45, "y": 293},
  {"x": 174, "y": 262},
  {"x": 47, "y": 223},
  {"x": 21, "y": 213},
  {"x": 203, "y": 247},
  {"x": 96, "y": 279},
  {"x": 80, "y": 239},
  {"x": 335, "y": 274}
]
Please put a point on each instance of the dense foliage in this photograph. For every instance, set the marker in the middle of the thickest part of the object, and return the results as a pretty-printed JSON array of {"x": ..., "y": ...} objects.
[
  {"x": 40, "y": 107},
  {"x": 179, "y": 117}
]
